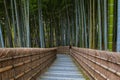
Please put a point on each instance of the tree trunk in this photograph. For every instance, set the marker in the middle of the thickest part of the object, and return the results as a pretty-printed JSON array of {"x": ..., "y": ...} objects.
[
  {"x": 110, "y": 23},
  {"x": 99, "y": 24},
  {"x": 1, "y": 38},
  {"x": 91, "y": 26},
  {"x": 41, "y": 27},
  {"x": 105, "y": 24},
  {"x": 77, "y": 26},
  {"x": 9, "y": 25},
  {"x": 18, "y": 25},
  {"x": 13, "y": 24},
  {"x": 26, "y": 22}
]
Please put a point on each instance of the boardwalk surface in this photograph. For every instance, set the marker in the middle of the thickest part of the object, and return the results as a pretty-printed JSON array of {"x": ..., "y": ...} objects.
[{"x": 62, "y": 69}]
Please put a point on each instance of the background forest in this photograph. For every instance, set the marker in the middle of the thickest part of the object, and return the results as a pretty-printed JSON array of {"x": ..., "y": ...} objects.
[{"x": 51, "y": 23}]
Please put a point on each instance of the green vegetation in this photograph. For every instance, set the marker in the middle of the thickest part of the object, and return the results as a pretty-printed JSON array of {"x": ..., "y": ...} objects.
[{"x": 50, "y": 23}]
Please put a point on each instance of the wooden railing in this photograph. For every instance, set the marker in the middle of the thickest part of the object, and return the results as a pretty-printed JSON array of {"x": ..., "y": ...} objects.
[
  {"x": 99, "y": 65},
  {"x": 63, "y": 50},
  {"x": 24, "y": 63}
]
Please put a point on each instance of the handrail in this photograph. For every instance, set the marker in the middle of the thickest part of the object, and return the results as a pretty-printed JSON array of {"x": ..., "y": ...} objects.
[
  {"x": 25, "y": 63},
  {"x": 63, "y": 50},
  {"x": 100, "y": 65}
]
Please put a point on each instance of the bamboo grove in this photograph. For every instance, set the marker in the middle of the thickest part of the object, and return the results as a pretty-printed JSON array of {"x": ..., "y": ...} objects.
[{"x": 51, "y": 23}]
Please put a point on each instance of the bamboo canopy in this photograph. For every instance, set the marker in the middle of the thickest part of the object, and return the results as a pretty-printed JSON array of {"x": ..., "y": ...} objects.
[{"x": 51, "y": 23}]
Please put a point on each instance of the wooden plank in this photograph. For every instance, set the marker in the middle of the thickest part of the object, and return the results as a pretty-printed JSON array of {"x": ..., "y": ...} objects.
[{"x": 5, "y": 69}]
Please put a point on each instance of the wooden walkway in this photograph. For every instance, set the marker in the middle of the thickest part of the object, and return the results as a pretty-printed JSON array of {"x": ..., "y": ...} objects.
[
  {"x": 29, "y": 63},
  {"x": 62, "y": 69}
]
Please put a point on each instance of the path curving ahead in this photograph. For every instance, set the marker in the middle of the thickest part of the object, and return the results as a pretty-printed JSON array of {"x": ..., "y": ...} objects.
[{"x": 62, "y": 69}]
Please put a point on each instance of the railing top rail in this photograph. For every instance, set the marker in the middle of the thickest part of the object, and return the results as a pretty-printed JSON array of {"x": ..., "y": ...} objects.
[{"x": 8, "y": 52}]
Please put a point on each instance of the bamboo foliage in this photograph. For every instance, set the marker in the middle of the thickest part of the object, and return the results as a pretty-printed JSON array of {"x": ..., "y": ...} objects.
[
  {"x": 93, "y": 26},
  {"x": 49, "y": 23}
]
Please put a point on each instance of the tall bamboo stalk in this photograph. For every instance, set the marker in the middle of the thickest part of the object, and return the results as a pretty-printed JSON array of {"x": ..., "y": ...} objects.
[
  {"x": 118, "y": 27},
  {"x": 91, "y": 27},
  {"x": 99, "y": 25},
  {"x": 110, "y": 23},
  {"x": 1, "y": 38},
  {"x": 8, "y": 25},
  {"x": 105, "y": 24},
  {"x": 41, "y": 27},
  {"x": 13, "y": 24},
  {"x": 17, "y": 24}
]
